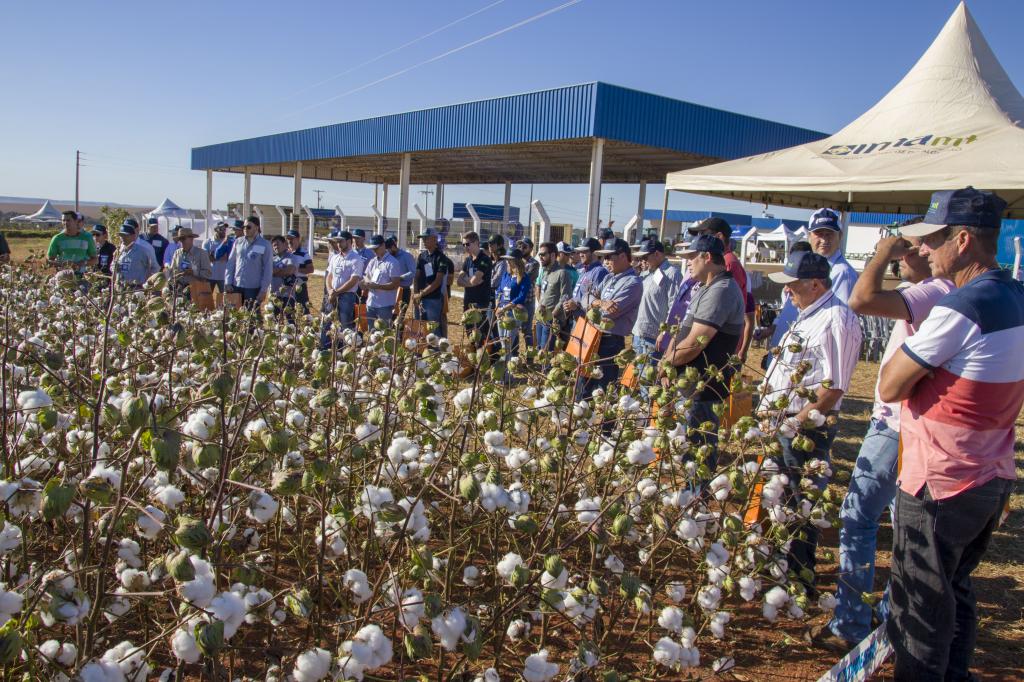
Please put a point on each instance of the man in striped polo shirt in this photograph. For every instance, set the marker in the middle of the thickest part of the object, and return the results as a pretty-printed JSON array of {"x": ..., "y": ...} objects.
[
  {"x": 818, "y": 355},
  {"x": 962, "y": 382}
]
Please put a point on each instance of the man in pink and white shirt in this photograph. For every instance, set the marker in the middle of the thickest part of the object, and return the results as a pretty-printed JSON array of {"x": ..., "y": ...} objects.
[
  {"x": 873, "y": 483},
  {"x": 962, "y": 381}
]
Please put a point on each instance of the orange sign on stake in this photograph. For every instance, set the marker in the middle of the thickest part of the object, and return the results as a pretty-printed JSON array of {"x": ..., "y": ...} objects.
[{"x": 583, "y": 341}]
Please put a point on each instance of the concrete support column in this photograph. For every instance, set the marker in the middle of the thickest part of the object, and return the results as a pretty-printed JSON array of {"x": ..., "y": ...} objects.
[
  {"x": 297, "y": 197},
  {"x": 247, "y": 195},
  {"x": 403, "y": 200},
  {"x": 384, "y": 205},
  {"x": 594, "y": 194},
  {"x": 641, "y": 202},
  {"x": 505, "y": 211},
  {"x": 209, "y": 204},
  {"x": 439, "y": 201}
]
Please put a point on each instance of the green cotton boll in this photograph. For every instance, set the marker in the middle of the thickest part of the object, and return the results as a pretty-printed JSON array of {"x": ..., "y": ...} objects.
[
  {"x": 11, "y": 643},
  {"x": 262, "y": 391},
  {"x": 520, "y": 576},
  {"x": 134, "y": 412},
  {"x": 526, "y": 524},
  {"x": 622, "y": 525},
  {"x": 320, "y": 469},
  {"x": 246, "y": 573},
  {"x": 165, "y": 449},
  {"x": 179, "y": 566},
  {"x": 493, "y": 476},
  {"x": 209, "y": 637},
  {"x": 222, "y": 385},
  {"x": 97, "y": 490},
  {"x": 286, "y": 482},
  {"x": 276, "y": 442},
  {"x": 507, "y": 323},
  {"x": 629, "y": 585},
  {"x": 469, "y": 487},
  {"x": 472, "y": 641},
  {"x": 473, "y": 316},
  {"x": 56, "y": 499},
  {"x": 594, "y": 316},
  {"x": 520, "y": 314},
  {"x": 391, "y": 513},
  {"x": 418, "y": 644},
  {"x": 192, "y": 534},
  {"x": 299, "y": 603},
  {"x": 376, "y": 416},
  {"x": 553, "y": 565},
  {"x": 204, "y": 456}
]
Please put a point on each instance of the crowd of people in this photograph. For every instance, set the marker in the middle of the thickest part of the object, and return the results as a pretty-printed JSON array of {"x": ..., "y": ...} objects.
[{"x": 939, "y": 448}]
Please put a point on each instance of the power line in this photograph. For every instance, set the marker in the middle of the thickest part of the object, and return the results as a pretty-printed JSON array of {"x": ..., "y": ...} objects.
[
  {"x": 396, "y": 49},
  {"x": 518, "y": 24}
]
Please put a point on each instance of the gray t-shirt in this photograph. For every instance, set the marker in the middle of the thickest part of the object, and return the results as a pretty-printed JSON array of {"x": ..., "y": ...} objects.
[
  {"x": 660, "y": 289},
  {"x": 719, "y": 304}
]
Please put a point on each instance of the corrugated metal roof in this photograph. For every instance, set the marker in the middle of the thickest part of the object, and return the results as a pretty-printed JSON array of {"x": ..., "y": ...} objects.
[
  {"x": 881, "y": 218},
  {"x": 570, "y": 113}
]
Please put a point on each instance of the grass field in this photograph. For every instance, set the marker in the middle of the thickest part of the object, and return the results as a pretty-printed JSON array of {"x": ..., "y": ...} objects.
[{"x": 999, "y": 580}]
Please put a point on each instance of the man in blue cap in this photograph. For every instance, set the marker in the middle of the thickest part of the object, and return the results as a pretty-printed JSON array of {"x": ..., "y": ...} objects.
[
  {"x": 359, "y": 246},
  {"x": 818, "y": 354},
  {"x": 104, "y": 249},
  {"x": 661, "y": 284},
  {"x": 432, "y": 271},
  {"x": 592, "y": 274},
  {"x": 381, "y": 281},
  {"x": 707, "y": 338},
  {"x": 304, "y": 262},
  {"x": 134, "y": 260},
  {"x": 962, "y": 385},
  {"x": 155, "y": 239}
]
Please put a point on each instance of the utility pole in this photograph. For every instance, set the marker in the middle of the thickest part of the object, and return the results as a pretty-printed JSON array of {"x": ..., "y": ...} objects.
[
  {"x": 318, "y": 192},
  {"x": 611, "y": 202},
  {"x": 78, "y": 163},
  {"x": 426, "y": 200}
]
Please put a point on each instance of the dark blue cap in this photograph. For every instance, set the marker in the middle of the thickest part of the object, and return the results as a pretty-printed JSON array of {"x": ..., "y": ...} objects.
[
  {"x": 153, "y": 221},
  {"x": 237, "y": 224},
  {"x": 294, "y": 233},
  {"x": 824, "y": 219},
  {"x": 99, "y": 229},
  {"x": 647, "y": 247},
  {"x": 133, "y": 222},
  {"x": 514, "y": 254},
  {"x": 127, "y": 227},
  {"x": 606, "y": 233},
  {"x": 589, "y": 244},
  {"x": 704, "y": 243},
  {"x": 359, "y": 232},
  {"x": 802, "y": 265},
  {"x": 614, "y": 247},
  {"x": 969, "y": 207},
  {"x": 376, "y": 240},
  {"x": 428, "y": 232}
]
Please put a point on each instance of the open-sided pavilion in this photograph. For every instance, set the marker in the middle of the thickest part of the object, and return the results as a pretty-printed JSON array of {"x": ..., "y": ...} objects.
[{"x": 591, "y": 133}]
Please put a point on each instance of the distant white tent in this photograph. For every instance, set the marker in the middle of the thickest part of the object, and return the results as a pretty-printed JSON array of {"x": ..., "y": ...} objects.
[
  {"x": 954, "y": 119},
  {"x": 46, "y": 214},
  {"x": 170, "y": 212}
]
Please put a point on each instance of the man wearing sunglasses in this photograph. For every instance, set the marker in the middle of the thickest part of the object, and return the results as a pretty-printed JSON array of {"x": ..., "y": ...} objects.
[
  {"x": 555, "y": 288},
  {"x": 475, "y": 279},
  {"x": 250, "y": 265}
]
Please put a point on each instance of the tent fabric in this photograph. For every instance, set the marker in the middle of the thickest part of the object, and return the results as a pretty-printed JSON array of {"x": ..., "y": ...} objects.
[
  {"x": 46, "y": 214},
  {"x": 168, "y": 209},
  {"x": 954, "y": 120}
]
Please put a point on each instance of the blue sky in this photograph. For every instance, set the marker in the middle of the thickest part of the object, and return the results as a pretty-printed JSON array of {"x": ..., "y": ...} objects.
[{"x": 137, "y": 85}]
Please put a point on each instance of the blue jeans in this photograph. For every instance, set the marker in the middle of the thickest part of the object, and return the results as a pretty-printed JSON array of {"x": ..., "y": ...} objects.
[
  {"x": 385, "y": 313},
  {"x": 345, "y": 308},
  {"x": 703, "y": 411},
  {"x": 545, "y": 339},
  {"x": 610, "y": 346},
  {"x": 801, "y": 551},
  {"x": 509, "y": 340},
  {"x": 430, "y": 309},
  {"x": 528, "y": 325},
  {"x": 872, "y": 489}
]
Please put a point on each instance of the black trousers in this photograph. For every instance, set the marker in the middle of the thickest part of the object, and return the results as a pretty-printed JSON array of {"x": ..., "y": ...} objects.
[{"x": 937, "y": 544}]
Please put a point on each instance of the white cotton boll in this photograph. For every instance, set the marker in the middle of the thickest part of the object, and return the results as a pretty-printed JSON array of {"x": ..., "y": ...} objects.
[
  {"x": 588, "y": 510},
  {"x": 464, "y": 398},
  {"x": 312, "y": 665},
  {"x": 748, "y": 588},
  {"x": 827, "y": 601},
  {"x": 671, "y": 618},
  {"x": 494, "y": 439},
  {"x": 688, "y": 529},
  {"x": 516, "y": 458},
  {"x": 200, "y": 590},
  {"x": 262, "y": 507},
  {"x": 131, "y": 661},
  {"x": 134, "y": 580},
  {"x": 449, "y": 627},
  {"x": 356, "y": 581},
  {"x": 295, "y": 419},
  {"x": 647, "y": 488},
  {"x": 538, "y": 669},
  {"x": 554, "y": 582},
  {"x": 717, "y": 576},
  {"x": 149, "y": 522},
  {"x": 367, "y": 433},
  {"x": 676, "y": 591},
  {"x": 489, "y": 675},
  {"x": 413, "y": 608},
  {"x": 614, "y": 564},
  {"x": 816, "y": 417},
  {"x": 470, "y": 575},
  {"x": 255, "y": 428},
  {"x": 604, "y": 456},
  {"x": 183, "y": 646},
  {"x": 101, "y": 671},
  {"x": 640, "y": 453},
  {"x": 717, "y": 555},
  {"x": 769, "y": 612},
  {"x": 62, "y": 653},
  {"x": 795, "y": 612},
  {"x": 34, "y": 400},
  {"x": 720, "y": 487},
  {"x": 10, "y": 604},
  {"x": 518, "y": 629},
  {"x": 708, "y": 597},
  {"x": 777, "y": 597},
  {"x": 628, "y": 404},
  {"x": 688, "y": 636},
  {"x": 169, "y": 496},
  {"x": 718, "y": 623},
  {"x": 111, "y": 476},
  {"x": 788, "y": 428},
  {"x": 508, "y": 565},
  {"x": 128, "y": 551},
  {"x": 10, "y": 538},
  {"x": 371, "y": 647},
  {"x": 667, "y": 653},
  {"x": 230, "y": 608}
]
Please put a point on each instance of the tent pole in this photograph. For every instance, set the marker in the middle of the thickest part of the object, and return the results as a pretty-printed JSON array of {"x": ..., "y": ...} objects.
[
  {"x": 844, "y": 222},
  {"x": 664, "y": 217}
]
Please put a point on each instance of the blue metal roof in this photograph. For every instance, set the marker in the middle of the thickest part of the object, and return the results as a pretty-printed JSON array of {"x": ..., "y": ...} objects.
[
  {"x": 881, "y": 218},
  {"x": 573, "y": 114}
]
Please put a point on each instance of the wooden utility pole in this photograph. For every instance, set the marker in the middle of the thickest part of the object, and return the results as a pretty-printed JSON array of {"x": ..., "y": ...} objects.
[{"x": 78, "y": 163}]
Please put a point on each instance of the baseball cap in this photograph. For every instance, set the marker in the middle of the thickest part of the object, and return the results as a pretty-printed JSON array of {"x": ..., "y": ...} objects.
[
  {"x": 562, "y": 247},
  {"x": 614, "y": 247},
  {"x": 513, "y": 254},
  {"x": 294, "y": 233},
  {"x": 606, "y": 233},
  {"x": 824, "y": 219},
  {"x": 712, "y": 225},
  {"x": 152, "y": 221},
  {"x": 127, "y": 227},
  {"x": 703, "y": 243},
  {"x": 589, "y": 244},
  {"x": 237, "y": 225},
  {"x": 390, "y": 241},
  {"x": 525, "y": 240},
  {"x": 647, "y": 247},
  {"x": 496, "y": 240},
  {"x": 133, "y": 222},
  {"x": 220, "y": 224},
  {"x": 376, "y": 240},
  {"x": 428, "y": 232},
  {"x": 101, "y": 229},
  {"x": 969, "y": 207},
  {"x": 359, "y": 232},
  {"x": 802, "y": 265}
]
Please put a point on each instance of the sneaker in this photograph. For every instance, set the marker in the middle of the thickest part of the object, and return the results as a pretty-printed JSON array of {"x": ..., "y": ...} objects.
[{"x": 821, "y": 636}]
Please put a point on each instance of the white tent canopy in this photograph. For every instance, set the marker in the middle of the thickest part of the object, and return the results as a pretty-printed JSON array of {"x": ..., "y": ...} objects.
[
  {"x": 168, "y": 209},
  {"x": 46, "y": 214},
  {"x": 954, "y": 120}
]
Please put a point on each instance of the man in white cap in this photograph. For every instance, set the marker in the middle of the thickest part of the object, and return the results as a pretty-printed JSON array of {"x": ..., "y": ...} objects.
[{"x": 344, "y": 271}]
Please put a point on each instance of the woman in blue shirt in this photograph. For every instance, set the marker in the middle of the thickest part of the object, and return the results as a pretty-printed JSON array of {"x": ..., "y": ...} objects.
[{"x": 511, "y": 298}]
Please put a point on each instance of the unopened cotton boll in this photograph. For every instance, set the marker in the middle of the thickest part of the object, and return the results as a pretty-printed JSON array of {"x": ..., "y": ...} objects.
[{"x": 312, "y": 665}]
